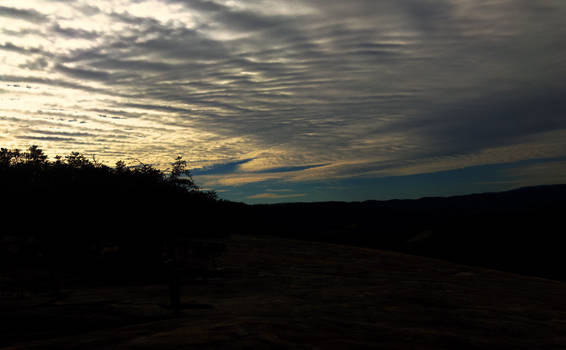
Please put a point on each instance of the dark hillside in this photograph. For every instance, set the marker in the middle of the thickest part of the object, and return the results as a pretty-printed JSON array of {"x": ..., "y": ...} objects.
[
  {"x": 94, "y": 257},
  {"x": 520, "y": 230},
  {"x": 284, "y": 294}
]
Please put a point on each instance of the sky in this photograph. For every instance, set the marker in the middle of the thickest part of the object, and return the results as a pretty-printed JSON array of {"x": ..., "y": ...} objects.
[{"x": 296, "y": 100}]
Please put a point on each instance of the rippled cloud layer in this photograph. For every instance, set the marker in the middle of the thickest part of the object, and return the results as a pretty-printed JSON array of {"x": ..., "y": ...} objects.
[{"x": 288, "y": 91}]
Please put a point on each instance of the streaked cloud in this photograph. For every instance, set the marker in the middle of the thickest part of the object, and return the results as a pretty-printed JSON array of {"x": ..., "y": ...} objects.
[
  {"x": 22, "y": 14},
  {"x": 220, "y": 169},
  {"x": 546, "y": 172},
  {"x": 269, "y": 195}
]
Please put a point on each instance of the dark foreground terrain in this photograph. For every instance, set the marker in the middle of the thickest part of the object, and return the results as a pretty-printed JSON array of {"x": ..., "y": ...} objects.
[
  {"x": 278, "y": 293},
  {"x": 519, "y": 231}
]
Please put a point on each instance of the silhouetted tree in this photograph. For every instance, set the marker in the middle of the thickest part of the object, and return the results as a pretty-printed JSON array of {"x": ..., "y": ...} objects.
[
  {"x": 180, "y": 176},
  {"x": 179, "y": 167},
  {"x": 77, "y": 160},
  {"x": 5, "y": 157},
  {"x": 35, "y": 156},
  {"x": 120, "y": 167}
]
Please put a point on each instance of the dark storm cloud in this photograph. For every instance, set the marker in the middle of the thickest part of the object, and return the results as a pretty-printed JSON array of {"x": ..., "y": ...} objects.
[{"x": 23, "y": 14}]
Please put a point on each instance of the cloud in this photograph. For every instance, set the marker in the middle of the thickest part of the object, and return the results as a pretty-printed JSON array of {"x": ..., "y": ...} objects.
[
  {"x": 290, "y": 168},
  {"x": 80, "y": 86},
  {"x": 222, "y": 168},
  {"x": 503, "y": 118},
  {"x": 36, "y": 64},
  {"x": 73, "y": 33},
  {"x": 46, "y": 138},
  {"x": 61, "y": 133},
  {"x": 546, "y": 172},
  {"x": 276, "y": 195},
  {"x": 23, "y": 14},
  {"x": 84, "y": 74},
  {"x": 21, "y": 32},
  {"x": 292, "y": 91},
  {"x": 22, "y": 50},
  {"x": 229, "y": 17}
]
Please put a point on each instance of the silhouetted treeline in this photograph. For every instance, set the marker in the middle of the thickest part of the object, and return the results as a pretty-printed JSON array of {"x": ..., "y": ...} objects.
[
  {"x": 519, "y": 231},
  {"x": 73, "y": 213}
]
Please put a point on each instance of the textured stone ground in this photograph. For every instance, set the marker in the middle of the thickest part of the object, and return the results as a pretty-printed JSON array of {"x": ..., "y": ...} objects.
[{"x": 276, "y": 293}]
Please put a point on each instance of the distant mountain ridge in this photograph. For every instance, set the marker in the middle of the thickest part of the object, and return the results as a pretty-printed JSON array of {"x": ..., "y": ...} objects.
[{"x": 540, "y": 192}]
